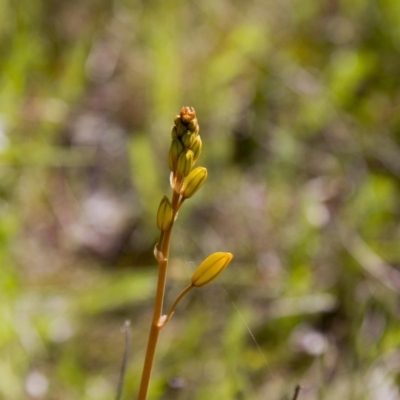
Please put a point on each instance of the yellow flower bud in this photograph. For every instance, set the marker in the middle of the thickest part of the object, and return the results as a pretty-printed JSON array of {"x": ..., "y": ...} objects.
[
  {"x": 196, "y": 148},
  {"x": 185, "y": 163},
  {"x": 210, "y": 268},
  {"x": 164, "y": 215},
  {"x": 193, "y": 182}
]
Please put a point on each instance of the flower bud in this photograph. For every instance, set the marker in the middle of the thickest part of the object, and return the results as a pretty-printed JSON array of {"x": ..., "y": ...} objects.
[
  {"x": 176, "y": 149},
  {"x": 180, "y": 128},
  {"x": 177, "y": 120},
  {"x": 164, "y": 215},
  {"x": 193, "y": 125},
  {"x": 210, "y": 268},
  {"x": 174, "y": 132},
  {"x": 185, "y": 163},
  {"x": 193, "y": 182},
  {"x": 196, "y": 148},
  {"x": 188, "y": 139},
  {"x": 187, "y": 115}
]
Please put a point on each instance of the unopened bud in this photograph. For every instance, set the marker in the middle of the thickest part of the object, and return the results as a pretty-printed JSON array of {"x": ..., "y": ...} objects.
[
  {"x": 164, "y": 215},
  {"x": 177, "y": 120},
  {"x": 193, "y": 125},
  {"x": 193, "y": 182},
  {"x": 196, "y": 148},
  {"x": 187, "y": 114},
  {"x": 185, "y": 163},
  {"x": 174, "y": 132},
  {"x": 176, "y": 149},
  {"x": 188, "y": 139},
  {"x": 210, "y": 268},
  {"x": 180, "y": 128}
]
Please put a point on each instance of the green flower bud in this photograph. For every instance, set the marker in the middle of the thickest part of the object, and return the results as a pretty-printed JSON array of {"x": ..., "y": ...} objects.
[
  {"x": 180, "y": 129},
  {"x": 193, "y": 182},
  {"x": 210, "y": 268},
  {"x": 176, "y": 149},
  {"x": 174, "y": 132},
  {"x": 185, "y": 163},
  {"x": 164, "y": 215},
  {"x": 196, "y": 148},
  {"x": 188, "y": 139}
]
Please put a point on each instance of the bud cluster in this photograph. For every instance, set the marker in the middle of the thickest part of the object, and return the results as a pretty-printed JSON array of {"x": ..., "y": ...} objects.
[
  {"x": 186, "y": 143},
  {"x": 184, "y": 151}
]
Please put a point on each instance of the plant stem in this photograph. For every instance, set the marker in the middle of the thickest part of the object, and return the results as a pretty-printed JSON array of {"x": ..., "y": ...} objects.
[
  {"x": 177, "y": 300},
  {"x": 157, "y": 321}
]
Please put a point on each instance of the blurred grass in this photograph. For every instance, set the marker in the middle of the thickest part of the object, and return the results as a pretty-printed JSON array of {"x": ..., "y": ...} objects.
[{"x": 298, "y": 103}]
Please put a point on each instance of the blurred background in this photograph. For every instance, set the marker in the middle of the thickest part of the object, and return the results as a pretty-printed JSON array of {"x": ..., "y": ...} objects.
[{"x": 299, "y": 107}]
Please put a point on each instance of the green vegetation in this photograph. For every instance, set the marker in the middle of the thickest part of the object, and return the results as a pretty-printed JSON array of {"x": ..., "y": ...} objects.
[{"x": 298, "y": 103}]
